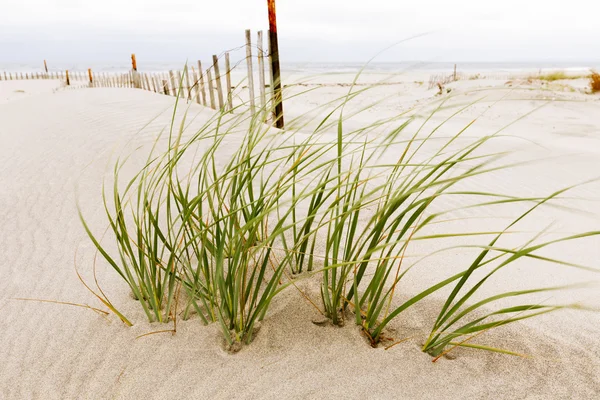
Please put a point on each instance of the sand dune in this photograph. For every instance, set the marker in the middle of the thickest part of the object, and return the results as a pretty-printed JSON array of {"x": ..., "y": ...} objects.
[{"x": 56, "y": 148}]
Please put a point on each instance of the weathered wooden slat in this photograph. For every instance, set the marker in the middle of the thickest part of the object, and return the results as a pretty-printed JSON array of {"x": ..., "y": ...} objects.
[{"x": 250, "y": 71}]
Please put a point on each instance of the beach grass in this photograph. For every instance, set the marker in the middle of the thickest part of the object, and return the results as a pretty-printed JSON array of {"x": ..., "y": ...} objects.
[
  {"x": 557, "y": 76},
  {"x": 221, "y": 220}
]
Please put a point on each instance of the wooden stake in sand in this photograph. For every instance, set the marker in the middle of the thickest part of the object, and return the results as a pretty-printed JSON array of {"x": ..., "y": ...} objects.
[
  {"x": 218, "y": 81},
  {"x": 90, "y": 76},
  {"x": 187, "y": 83},
  {"x": 202, "y": 83},
  {"x": 197, "y": 84},
  {"x": 180, "y": 87},
  {"x": 210, "y": 89},
  {"x": 153, "y": 78},
  {"x": 67, "y": 75},
  {"x": 261, "y": 71},
  {"x": 46, "y": 68},
  {"x": 455, "y": 72},
  {"x": 228, "y": 80},
  {"x": 274, "y": 54},
  {"x": 148, "y": 88},
  {"x": 165, "y": 87},
  {"x": 173, "y": 88},
  {"x": 250, "y": 72}
]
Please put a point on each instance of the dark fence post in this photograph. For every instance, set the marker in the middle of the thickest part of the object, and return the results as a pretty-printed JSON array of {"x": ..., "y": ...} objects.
[{"x": 274, "y": 53}]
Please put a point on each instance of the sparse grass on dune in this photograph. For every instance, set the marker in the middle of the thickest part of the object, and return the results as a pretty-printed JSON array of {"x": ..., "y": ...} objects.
[
  {"x": 557, "y": 76},
  {"x": 219, "y": 222}
]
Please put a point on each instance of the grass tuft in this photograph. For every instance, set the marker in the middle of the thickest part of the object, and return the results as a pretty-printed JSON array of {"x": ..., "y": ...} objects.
[
  {"x": 556, "y": 76},
  {"x": 220, "y": 221}
]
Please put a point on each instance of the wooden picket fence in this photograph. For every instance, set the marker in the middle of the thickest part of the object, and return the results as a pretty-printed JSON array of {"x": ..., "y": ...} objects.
[{"x": 211, "y": 87}]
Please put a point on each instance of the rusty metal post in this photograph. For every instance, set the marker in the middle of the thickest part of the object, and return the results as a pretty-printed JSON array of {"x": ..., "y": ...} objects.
[
  {"x": 135, "y": 77},
  {"x": 274, "y": 52}
]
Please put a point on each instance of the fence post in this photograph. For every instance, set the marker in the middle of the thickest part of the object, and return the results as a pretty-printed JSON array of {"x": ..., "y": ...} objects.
[
  {"x": 173, "y": 89},
  {"x": 165, "y": 88},
  {"x": 274, "y": 54},
  {"x": 90, "y": 76},
  {"x": 196, "y": 84},
  {"x": 135, "y": 76},
  {"x": 228, "y": 79},
  {"x": 46, "y": 68},
  {"x": 454, "y": 72},
  {"x": 250, "y": 72},
  {"x": 218, "y": 81},
  {"x": 148, "y": 88},
  {"x": 67, "y": 76},
  {"x": 186, "y": 74},
  {"x": 211, "y": 92},
  {"x": 156, "y": 87},
  {"x": 261, "y": 71},
  {"x": 202, "y": 83},
  {"x": 180, "y": 82}
]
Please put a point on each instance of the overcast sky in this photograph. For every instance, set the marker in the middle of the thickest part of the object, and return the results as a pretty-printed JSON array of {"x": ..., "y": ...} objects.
[{"x": 310, "y": 30}]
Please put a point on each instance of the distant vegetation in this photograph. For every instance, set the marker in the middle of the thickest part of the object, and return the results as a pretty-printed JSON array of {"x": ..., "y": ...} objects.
[
  {"x": 595, "y": 82},
  {"x": 557, "y": 76}
]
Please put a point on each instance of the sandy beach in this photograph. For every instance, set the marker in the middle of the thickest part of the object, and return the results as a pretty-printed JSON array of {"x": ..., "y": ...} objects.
[{"x": 57, "y": 146}]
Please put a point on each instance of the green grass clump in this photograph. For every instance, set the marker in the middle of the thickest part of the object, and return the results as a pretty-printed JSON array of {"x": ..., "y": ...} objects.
[{"x": 218, "y": 222}]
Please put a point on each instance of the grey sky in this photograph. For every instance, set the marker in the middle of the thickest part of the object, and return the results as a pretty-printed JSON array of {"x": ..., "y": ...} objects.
[{"x": 310, "y": 30}]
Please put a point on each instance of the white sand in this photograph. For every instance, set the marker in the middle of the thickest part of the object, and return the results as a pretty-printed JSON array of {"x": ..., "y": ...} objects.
[{"x": 56, "y": 148}]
